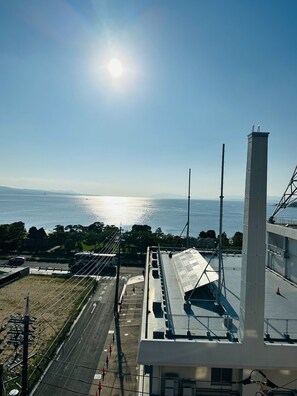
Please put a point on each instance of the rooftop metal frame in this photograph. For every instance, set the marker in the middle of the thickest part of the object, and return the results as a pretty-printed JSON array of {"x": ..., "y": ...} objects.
[{"x": 289, "y": 196}]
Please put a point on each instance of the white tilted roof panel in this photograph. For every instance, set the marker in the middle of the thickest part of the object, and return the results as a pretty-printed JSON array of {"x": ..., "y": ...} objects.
[{"x": 190, "y": 266}]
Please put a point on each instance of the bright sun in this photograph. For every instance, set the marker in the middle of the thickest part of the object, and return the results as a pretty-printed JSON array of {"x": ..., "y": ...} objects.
[{"x": 115, "y": 68}]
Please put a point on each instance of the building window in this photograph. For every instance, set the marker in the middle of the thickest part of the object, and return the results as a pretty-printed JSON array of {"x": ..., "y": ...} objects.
[{"x": 221, "y": 376}]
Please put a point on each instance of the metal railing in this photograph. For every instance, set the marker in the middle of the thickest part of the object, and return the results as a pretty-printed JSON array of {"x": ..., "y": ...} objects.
[
  {"x": 205, "y": 326},
  {"x": 285, "y": 220},
  {"x": 280, "y": 329}
]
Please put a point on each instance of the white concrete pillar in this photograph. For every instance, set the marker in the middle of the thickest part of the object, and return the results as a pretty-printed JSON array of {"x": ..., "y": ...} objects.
[{"x": 254, "y": 241}]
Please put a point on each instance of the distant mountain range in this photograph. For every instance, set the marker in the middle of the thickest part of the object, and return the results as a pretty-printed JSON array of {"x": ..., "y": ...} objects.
[
  {"x": 12, "y": 190},
  {"x": 167, "y": 196},
  {"x": 272, "y": 200}
]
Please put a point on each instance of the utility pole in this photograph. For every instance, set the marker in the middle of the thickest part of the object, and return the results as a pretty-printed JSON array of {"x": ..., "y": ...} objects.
[
  {"x": 21, "y": 335},
  {"x": 1, "y": 379},
  {"x": 116, "y": 297},
  {"x": 25, "y": 350}
]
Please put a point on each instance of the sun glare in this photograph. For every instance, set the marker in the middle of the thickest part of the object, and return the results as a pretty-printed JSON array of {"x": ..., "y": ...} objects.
[{"x": 115, "y": 68}]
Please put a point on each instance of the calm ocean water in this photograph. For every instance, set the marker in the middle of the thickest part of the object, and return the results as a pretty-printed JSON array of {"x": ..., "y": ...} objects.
[{"x": 48, "y": 210}]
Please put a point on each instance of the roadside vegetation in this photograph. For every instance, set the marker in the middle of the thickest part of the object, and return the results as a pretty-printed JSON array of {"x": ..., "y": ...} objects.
[{"x": 61, "y": 243}]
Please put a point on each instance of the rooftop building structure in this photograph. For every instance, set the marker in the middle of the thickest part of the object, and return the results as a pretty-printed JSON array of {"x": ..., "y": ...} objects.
[
  {"x": 245, "y": 341},
  {"x": 282, "y": 234}
]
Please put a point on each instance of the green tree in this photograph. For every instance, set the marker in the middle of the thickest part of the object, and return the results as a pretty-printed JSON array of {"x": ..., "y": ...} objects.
[
  {"x": 159, "y": 235},
  {"x": 97, "y": 226},
  {"x": 72, "y": 242},
  {"x": 225, "y": 239},
  {"x": 12, "y": 235},
  {"x": 59, "y": 228},
  {"x": 236, "y": 240},
  {"x": 203, "y": 234},
  {"x": 141, "y": 228},
  {"x": 211, "y": 234},
  {"x": 141, "y": 237},
  {"x": 58, "y": 236},
  {"x": 3, "y": 235}
]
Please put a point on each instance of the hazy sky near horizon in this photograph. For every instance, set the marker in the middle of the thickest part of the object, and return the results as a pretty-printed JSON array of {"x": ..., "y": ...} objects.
[{"x": 196, "y": 74}]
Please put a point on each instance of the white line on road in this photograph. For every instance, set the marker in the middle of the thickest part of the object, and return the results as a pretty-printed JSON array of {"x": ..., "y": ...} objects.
[{"x": 93, "y": 309}]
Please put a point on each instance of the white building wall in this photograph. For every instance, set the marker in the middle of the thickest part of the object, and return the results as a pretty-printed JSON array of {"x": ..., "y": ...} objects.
[
  {"x": 192, "y": 378},
  {"x": 172, "y": 380},
  {"x": 292, "y": 260},
  {"x": 282, "y": 250}
]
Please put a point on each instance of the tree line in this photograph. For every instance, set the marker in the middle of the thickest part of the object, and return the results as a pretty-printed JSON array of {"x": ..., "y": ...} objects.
[{"x": 74, "y": 238}]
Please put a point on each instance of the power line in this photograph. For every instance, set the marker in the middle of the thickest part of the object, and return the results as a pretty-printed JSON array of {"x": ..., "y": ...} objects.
[
  {"x": 105, "y": 386},
  {"x": 65, "y": 299},
  {"x": 59, "y": 298},
  {"x": 139, "y": 375},
  {"x": 76, "y": 281},
  {"x": 51, "y": 344},
  {"x": 82, "y": 271}
]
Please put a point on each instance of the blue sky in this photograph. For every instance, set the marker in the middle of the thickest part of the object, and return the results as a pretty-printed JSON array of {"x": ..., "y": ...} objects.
[{"x": 197, "y": 74}]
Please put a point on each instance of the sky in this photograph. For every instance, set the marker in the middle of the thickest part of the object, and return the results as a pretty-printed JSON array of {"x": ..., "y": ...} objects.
[{"x": 194, "y": 74}]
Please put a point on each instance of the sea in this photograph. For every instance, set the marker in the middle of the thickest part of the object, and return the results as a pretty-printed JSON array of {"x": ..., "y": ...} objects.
[{"x": 48, "y": 210}]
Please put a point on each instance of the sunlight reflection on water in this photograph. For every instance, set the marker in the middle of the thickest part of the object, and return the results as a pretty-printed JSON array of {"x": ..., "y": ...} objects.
[
  {"x": 48, "y": 210},
  {"x": 120, "y": 210}
]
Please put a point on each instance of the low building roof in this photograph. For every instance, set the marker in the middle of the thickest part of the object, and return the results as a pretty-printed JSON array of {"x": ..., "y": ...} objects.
[{"x": 172, "y": 318}]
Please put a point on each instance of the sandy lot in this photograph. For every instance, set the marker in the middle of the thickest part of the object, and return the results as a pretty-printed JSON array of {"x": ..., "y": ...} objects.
[{"x": 51, "y": 303}]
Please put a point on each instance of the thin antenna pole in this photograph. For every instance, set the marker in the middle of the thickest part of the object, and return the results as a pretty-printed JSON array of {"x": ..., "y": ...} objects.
[
  {"x": 221, "y": 227},
  {"x": 189, "y": 200}
]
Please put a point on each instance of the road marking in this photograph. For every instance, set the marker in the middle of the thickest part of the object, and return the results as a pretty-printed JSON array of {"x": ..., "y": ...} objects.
[{"x": 93, "y": 309}]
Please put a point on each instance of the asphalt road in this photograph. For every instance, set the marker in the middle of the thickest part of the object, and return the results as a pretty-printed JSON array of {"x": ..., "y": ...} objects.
[{"x": 73, "y": 369}]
